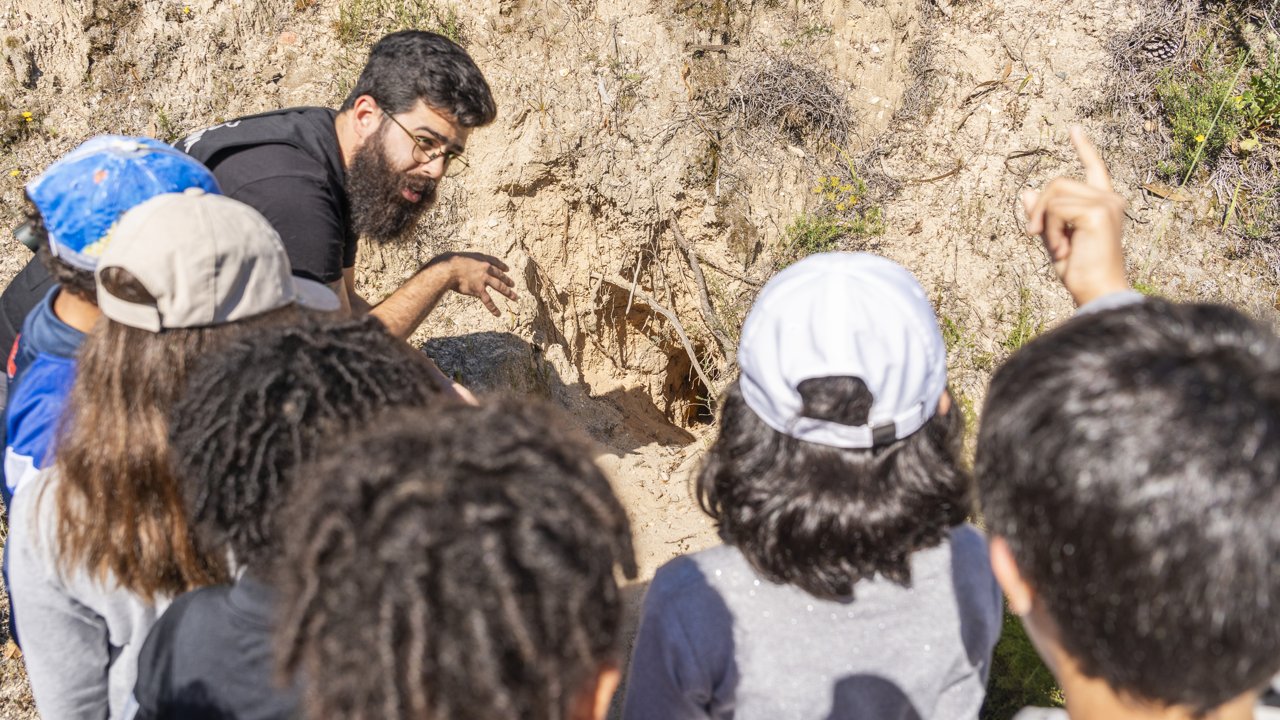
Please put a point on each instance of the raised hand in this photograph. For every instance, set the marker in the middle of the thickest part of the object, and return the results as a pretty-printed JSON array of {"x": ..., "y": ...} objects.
[{"x": 1081, "y": 224}]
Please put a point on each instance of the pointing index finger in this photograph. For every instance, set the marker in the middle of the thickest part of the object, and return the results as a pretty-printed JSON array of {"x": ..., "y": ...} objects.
[{"x": 1095, "y": 170}]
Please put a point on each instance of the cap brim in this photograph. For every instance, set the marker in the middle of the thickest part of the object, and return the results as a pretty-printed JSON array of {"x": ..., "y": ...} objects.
[{"x": 315, "y": 296}]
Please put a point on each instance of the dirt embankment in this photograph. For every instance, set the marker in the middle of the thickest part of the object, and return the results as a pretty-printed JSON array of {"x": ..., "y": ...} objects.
[{"x": 637, "y": 140}]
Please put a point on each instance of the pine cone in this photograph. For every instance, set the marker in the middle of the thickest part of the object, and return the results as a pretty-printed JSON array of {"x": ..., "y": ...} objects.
[{"x": 1160, "y": 48}]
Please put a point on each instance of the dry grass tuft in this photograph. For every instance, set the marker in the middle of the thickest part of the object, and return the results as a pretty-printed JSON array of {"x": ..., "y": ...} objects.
[{"x": 790, "y": 97}]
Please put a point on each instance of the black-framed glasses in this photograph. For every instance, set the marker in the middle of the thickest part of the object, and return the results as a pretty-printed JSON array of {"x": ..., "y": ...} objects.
[{"x": 427, "y": 149}]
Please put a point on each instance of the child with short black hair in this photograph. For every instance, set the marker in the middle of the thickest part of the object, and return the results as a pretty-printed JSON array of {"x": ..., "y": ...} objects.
[
  {"x": 849, "y": 583},
  {"x": 1128, "y": 464}
]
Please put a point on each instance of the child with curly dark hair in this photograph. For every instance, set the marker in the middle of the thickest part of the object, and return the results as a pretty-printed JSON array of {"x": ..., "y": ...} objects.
[
  {"x": 250, "y": 416},
  {"x": 848, "y": 584},
  {"x": 456, "y": 564}
]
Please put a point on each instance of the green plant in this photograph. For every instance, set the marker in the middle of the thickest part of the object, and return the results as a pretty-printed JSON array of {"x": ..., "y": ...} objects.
[
  {"x": 1259, "y": 105},
  {"x": 838, "y": 193},
  {"x": 809, "y": 234},
  {"x": 1025, "y": 325},
  {"x": 1146, "y": 288},
  {"x": 952, "y": 335},
  {"x": 362, "y": 22},
  {"x": 1018, "y": 677},
  {"x": 16, "y": 126},
  {"x": 808, "y": 34},
  {"x": 840, "y": 213},
  {"x": 1201, "y": 120},
  {"x": 166, "y": 130}
]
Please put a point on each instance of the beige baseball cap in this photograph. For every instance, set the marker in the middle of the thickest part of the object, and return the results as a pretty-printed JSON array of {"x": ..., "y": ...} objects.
[{"x": 206, "y": 259}]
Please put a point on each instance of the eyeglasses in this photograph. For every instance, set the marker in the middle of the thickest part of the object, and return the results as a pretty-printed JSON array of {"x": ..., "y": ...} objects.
[{"x": 427, "y": 149}]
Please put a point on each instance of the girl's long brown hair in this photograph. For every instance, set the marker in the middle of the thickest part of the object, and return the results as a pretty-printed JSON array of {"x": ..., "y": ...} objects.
[{"x": 119, "y": 506}]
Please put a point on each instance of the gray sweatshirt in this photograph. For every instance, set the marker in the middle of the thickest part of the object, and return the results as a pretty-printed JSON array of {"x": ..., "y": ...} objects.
[
  {"x": 80, "y": 637},
  {"x": 716, "y": 640}
]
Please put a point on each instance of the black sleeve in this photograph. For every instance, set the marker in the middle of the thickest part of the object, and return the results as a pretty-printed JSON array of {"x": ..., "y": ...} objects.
[
  {"x": 23, "y": 293},
  {"x": 299, "y": 205},
  {"x": 155, "y": 663}
]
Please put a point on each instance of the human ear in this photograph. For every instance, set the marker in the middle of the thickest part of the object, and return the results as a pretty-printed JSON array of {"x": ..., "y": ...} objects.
[
  {"x": 366, "y": 116},
  {"x": 593, "y": 701},
  {"x": 1017, "y": 591}
]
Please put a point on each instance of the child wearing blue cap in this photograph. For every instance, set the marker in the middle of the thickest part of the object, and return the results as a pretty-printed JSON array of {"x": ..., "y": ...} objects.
[{"x": 73, "y": 205}]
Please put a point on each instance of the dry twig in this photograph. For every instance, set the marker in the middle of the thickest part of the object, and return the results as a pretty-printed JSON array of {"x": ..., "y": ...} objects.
[{"x": 727, "y": 348}]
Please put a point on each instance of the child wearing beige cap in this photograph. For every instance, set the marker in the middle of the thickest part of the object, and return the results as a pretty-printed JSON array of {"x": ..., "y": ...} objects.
[{"x": 99, "y": 542}]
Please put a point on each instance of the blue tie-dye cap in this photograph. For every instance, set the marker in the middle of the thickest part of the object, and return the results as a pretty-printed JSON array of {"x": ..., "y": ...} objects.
[{"x": 82, "y": 195}]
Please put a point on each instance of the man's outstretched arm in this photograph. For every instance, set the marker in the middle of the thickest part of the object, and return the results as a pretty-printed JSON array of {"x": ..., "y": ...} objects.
[{"x": 404, "y": 310}]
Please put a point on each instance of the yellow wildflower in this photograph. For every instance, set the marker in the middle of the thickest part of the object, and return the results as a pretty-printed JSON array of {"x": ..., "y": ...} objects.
[
  {"x": 1200, "y": 138},
  {"x": 840, "y": 207},
  {"x": 26, "y": 114},
  {"x": 186, "y": 9},
  {"x": 15, "y": 173}
]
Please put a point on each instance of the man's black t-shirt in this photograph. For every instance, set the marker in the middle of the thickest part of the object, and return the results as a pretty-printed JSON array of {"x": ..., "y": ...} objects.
[
  {"x": 287, "y": 165},
  {"x": 210, "y": 656}
]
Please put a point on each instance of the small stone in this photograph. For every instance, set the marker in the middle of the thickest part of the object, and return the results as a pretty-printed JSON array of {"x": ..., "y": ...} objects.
[
  {"x": 1061, "y": 75},
  {"x": 288, "y": 37}
]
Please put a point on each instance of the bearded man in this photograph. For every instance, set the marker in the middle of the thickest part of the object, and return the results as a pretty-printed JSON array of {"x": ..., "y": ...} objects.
[{"x": 325, "y": 178}]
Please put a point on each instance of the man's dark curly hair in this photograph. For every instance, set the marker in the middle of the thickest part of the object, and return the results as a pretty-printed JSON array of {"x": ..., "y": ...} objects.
[
  {"x": 454, "y": 564},
  {"x": 253, "y": 412},
  {"x": 823, "y": 518},
  {"x": 411, "y": 65},
  {"x": 1131, "y": 460}
]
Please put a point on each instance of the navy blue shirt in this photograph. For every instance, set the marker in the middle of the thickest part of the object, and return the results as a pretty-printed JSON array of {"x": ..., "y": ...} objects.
[
  {"x": 210, "y": 656},
  {"x": 41, "y": 371}
]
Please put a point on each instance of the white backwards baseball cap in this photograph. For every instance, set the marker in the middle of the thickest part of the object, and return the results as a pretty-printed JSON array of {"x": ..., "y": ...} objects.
[
  {"x": 844, "y": 315},
  {"x": 206, "y": 259}
]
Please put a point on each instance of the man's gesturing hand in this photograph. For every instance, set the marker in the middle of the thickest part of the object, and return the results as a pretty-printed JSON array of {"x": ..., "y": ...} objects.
[
  {"x": 1081, "y": 224},
  {"x": 473, "y": 274}
]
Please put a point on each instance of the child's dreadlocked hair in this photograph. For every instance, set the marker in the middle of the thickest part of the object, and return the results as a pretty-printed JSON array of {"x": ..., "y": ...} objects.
[
  {"x": 453, "y": 565},
  {"x": 256, "y": 410}
]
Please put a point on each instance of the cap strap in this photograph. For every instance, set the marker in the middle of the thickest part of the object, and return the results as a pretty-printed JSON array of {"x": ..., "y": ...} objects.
[
  {"x": 884, "y": 433},
  {"x": 143, "y": 317}
]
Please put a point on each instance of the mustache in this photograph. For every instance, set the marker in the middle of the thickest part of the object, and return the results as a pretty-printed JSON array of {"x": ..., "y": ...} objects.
[{"x": 426, "y": 187}]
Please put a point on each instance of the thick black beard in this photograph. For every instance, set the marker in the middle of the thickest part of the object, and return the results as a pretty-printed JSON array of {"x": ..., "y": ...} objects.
[{"x": 378, "y": 210}]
